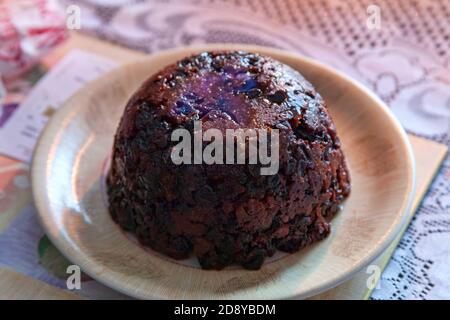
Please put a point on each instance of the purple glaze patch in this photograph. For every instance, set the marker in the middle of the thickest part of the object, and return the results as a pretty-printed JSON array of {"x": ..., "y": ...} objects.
[{"x": 6, "y": 111}]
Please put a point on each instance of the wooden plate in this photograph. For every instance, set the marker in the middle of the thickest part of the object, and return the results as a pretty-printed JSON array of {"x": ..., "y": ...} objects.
[{"x": 67, "y": 187}]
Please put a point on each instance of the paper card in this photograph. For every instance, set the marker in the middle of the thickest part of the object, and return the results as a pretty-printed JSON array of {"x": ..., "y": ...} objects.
[{"x": 19, "y": 134}]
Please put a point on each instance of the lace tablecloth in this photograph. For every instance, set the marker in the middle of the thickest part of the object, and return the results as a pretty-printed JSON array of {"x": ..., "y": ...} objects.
[{"x": 405, "y": 59}]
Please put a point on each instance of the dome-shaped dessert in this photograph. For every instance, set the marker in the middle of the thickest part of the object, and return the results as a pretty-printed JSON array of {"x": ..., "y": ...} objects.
[{"x": 226, "y": 213}]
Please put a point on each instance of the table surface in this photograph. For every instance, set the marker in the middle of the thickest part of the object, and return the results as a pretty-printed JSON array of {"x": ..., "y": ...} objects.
[{"x": 406, "y": 61}]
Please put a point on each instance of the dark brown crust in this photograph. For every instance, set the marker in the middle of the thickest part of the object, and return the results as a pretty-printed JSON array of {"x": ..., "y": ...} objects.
[{"x": 226, "y": 214}]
